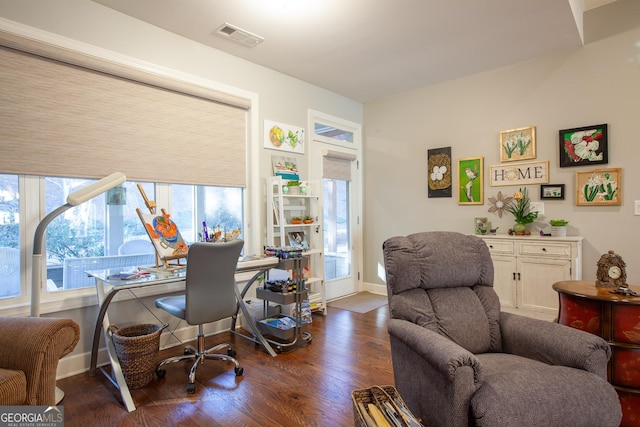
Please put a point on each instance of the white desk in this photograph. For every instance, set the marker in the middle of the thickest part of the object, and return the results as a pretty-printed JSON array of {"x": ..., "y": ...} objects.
[{"x": 153, "y": 279}]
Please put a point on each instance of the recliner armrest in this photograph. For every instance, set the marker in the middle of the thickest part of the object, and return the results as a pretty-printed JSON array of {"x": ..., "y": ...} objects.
[
  {"x": 554, "y": 343},
  {"x": 441, "y": 353}
]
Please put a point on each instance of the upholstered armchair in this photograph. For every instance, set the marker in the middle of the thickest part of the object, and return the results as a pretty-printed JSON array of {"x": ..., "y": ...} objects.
[
  {"x": 459, "y": 361},
  {"x": 30, "y": 348}
]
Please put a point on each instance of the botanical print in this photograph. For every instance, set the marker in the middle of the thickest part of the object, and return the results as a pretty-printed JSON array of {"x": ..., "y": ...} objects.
[
  {"x": 279, "y": 136},
  {"x": 518, "y": 144},
  {"x": 439, "y": 172},
  {"x": 581, "y": 146},
  {"x": 599, "y": 187}
]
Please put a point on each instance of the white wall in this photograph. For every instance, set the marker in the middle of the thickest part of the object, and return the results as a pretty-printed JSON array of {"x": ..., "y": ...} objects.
[
  {"x": 280, "y": 98},
  {"x": 598, "y": 83}
]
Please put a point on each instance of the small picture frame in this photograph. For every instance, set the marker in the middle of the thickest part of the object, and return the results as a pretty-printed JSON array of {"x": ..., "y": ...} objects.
[
  {"x": 599, "y": 187},
  {"x": 552, "y": 191},
  {"x": 587, "y": 145},
  {"x": 481, "y": 226},
  {"x": 297, "y": 240},
  {"x": 470, "y": 181},
  {"x": 518, "y": 144}
]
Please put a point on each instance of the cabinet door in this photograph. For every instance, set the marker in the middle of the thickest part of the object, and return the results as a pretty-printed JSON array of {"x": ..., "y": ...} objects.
[
  {"x": 504, "y": 269},
  {"x": 535, "y": 281}
]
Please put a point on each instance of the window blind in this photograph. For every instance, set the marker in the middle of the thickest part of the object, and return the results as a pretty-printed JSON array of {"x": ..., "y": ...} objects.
[
  {"x": 60, "y": 119},
  {"x": 337, "y": 165}
]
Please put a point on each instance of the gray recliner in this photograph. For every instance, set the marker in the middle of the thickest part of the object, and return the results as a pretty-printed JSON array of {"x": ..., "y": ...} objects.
[
  {"x": 209, "y": 296},
  {"x": 459, "y": 361}
]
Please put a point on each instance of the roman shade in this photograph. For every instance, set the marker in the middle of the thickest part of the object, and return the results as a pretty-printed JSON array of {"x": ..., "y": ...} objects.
[
  {"x": 337, "y": 165},
  {"x": 61, "y": 119}
]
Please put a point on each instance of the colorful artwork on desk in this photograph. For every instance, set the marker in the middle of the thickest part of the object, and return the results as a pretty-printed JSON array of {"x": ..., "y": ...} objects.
[
  {"x": 280, "y": 136},
  {"x": 164, "y": 235}
]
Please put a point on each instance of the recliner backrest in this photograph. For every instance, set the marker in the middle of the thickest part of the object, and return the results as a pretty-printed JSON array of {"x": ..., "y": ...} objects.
[
  {"x": 210, "y": 281},
  {"x": 443, "y": 281}
]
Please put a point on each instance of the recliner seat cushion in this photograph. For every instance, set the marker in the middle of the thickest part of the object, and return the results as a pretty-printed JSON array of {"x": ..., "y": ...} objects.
[{"x": 513, "y": 385}]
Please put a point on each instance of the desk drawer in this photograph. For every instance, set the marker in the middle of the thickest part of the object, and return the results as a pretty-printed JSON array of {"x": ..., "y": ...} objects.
[
  {"x": 499, "y": 246},
  {"x": 555, "y": 250}
]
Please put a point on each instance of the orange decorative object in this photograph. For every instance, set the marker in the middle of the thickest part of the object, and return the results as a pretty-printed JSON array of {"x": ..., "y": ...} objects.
[{"x": 616, "y": 318}]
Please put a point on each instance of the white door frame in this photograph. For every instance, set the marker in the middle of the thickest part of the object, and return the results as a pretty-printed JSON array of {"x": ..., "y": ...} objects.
[{"x": 318, "y": 144}]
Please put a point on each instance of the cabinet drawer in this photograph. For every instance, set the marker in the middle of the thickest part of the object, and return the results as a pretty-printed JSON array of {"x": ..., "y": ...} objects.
[
  {"x": 499, "y": 246},
  {"x": 554, "y": 250}
]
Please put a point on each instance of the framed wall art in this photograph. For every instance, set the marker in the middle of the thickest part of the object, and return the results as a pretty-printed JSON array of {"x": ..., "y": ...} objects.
[
  {"x": 518, "y": 144},
  {"x": 599, "y": 187},
  {"x": 582, "y": 146},
  {"x": 284, "y": 137},
  {"x": 552, "y": 191},
  {"x": 470, "y": 181},
  {"x": 519, "y": 173},
  {"x": 439, "y": 172}
]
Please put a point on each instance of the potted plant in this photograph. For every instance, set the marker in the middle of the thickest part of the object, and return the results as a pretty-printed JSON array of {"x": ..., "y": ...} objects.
[
  {"x": 293, "y": 186},
  {"x": 558, "y": 227},
  {"x": 296, "y": 220},
  {"x": 307, "y": 219}
]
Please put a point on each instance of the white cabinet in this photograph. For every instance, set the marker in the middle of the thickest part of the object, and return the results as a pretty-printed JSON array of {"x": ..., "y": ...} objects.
[
  {"x": 282, "y": 208},
  {"x": 526, "y": 267}
]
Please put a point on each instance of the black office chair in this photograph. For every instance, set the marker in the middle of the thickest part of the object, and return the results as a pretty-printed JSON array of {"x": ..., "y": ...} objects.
[{"x": 209, "y": 297}]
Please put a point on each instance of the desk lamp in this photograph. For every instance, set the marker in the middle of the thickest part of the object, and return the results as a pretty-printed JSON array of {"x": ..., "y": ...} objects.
[{"x": 74, "y": 199}]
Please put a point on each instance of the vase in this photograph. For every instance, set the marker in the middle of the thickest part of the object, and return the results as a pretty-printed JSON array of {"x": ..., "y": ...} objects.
[{"x": 519, "y": 229}]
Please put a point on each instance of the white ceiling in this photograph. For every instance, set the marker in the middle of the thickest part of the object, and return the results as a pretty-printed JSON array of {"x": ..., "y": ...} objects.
[{"x": 370, "y": 49}]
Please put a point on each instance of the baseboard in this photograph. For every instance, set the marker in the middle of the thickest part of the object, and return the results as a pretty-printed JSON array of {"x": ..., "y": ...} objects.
[
  {"x": 75, "y": 364},
  {"x": 375, "y": 288}
]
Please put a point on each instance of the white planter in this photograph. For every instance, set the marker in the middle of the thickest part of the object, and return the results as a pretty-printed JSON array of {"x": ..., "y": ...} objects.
[{"x": 559, "y": 231}]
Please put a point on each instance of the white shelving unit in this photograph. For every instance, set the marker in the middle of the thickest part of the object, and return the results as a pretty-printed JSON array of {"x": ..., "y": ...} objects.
[{"x": 281, "y": 208}]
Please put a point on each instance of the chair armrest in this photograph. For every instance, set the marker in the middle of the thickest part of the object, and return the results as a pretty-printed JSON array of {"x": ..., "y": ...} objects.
[
  {"x": 441, "y": 353},
  {"x": 554, "y": 343},
  {"x": 34, "y": 345}
]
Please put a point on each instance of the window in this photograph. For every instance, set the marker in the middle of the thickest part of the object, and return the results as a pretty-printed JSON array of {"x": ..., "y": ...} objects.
[
  {"x": 101, "y": 228},
  {"x": 220, "y": 208},
  {"x": 95, "y": 228},
  {"x": 337, "y": 251},
  {"x": 9, "y": 236}
]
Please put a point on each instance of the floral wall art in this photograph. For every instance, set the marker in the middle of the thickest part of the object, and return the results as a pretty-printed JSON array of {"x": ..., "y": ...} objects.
[
  {"x": 518, "y": 144},
  {"x": 584, "y": 146},
  {"x": 600, "y": 187}
]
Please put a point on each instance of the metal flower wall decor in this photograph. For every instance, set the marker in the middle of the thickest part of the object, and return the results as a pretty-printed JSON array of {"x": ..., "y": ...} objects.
[{"x": 499, "y": 203}]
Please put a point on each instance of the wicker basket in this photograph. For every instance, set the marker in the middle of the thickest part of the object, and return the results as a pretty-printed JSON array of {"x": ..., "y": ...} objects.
[
  {"x": 137, "y": 348},
  {"x": 378, "y": 395}
]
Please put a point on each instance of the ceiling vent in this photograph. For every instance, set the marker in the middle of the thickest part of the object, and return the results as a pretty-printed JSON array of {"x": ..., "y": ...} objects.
[{"x": 238, "y": 35}]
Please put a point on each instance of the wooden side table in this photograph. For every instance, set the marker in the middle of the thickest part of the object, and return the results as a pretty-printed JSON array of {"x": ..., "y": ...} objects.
[{"x": 616, "y": 318}]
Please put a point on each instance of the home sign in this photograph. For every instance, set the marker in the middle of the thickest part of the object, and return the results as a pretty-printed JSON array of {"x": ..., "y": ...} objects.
[{"x": 519, "y": 173}]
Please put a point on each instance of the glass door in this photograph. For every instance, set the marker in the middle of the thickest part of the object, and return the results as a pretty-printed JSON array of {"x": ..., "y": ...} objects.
[{"x": 335, "y": 160}]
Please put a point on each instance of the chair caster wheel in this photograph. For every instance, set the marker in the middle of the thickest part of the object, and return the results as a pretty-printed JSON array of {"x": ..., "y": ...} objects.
[
  {"x": 191, "y": 388},
  {"x": 239, "y": 371},
  {"x": 231, "y": 353},
  {"x": 161, "y": 373},
  {"x": 187, "y": 352}
]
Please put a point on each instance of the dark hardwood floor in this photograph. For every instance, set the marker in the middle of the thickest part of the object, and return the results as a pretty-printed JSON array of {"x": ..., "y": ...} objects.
[{"x": 309, "y": 386}]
